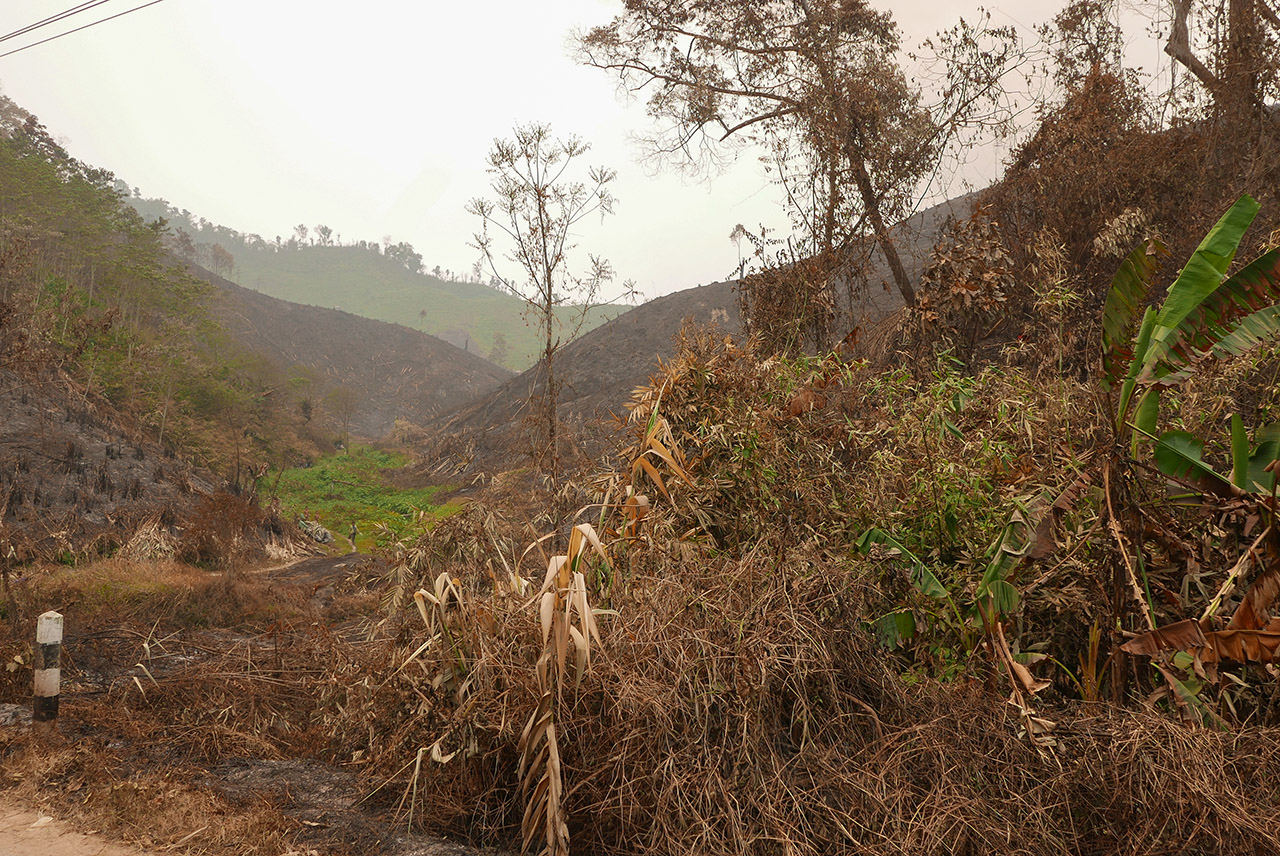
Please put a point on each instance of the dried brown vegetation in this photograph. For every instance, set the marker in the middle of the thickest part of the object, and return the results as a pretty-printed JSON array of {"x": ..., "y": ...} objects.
[
  {"x": 747, "y": 694},
  {"x": 768, "y": 720},
  {"x": 955, "y": 602},
  {"x": 184, "y": 691},
  {"x": 1104, "y": 171}
]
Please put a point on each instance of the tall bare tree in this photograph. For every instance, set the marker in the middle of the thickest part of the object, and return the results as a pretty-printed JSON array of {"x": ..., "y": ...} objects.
[
  {"x": 530, "y": 224},
  {"x": 818, "y": 83},
  {"x": 1237, "y": 62}
]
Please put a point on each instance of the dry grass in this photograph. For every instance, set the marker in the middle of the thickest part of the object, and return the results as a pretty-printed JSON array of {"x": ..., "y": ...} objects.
[
  {"x": 152, "y": 808},
  {"x": 749, "y": 712},
  {"x": 150, "y": 594},
  {"x": 169, "y": 671},
  {"x": 738, "y": 702}
]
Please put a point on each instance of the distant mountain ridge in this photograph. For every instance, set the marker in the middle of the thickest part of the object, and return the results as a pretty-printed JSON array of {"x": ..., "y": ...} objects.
[{"x": 378, "y": 281}]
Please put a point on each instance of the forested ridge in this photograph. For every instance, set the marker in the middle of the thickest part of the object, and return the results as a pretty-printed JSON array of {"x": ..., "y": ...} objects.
[
  {"x": 90, "y": 290},
  {"x": 386, "y": 281}
]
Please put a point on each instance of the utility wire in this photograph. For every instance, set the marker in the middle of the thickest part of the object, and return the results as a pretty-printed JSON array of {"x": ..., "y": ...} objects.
[
  {"x": 78, "y": 29},
  {"x": 83, "y": 7}
]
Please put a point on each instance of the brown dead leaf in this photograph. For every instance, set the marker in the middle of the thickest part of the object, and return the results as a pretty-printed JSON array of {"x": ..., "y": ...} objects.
[
  {"x": 802, "y": 402},
  {"x": 1242, "y": 646},
  {"x": 1185, "y": 635},
  {"x": 1255, "y": 610},
  {"x": 1028, "y": 680},
  {"x": 1044, "y": 542}
]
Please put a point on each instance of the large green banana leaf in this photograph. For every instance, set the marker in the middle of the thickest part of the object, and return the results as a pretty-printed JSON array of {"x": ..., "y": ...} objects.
[
  {"x": 1202, "y": 276},
  {"x": 1127, "y": 296},
  {"x": 1207, "y": 316}
]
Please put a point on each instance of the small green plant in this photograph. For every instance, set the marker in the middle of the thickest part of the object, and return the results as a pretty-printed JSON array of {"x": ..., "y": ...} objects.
[{"x": 354, "y": 488}]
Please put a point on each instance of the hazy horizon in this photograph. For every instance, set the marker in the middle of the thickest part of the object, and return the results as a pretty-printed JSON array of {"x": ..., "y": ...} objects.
[{"x": 258, "y": 118}]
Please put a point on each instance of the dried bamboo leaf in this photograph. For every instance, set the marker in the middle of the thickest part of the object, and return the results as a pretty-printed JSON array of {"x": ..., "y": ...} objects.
[
  {"x": 537, "y": 759},
  {"x": 588, "y": 532},
  {"x": 535, "y": 809},
  {"x": 585, "y": 619},
  {"x": 421, "y": 649},
  {"x": 560, "y": 641},
  {"x": 553, "y": 571},
  {"x": 546, "y": 610},
  {"x": 655, "y": 477},
  {"x": 419, "y": 598},
  {"x": 583, "y": 652},
  {"x": 637, "y": 506},
  {"x": 531, "y": 737},
  {"x": 656, "y": 447},
  {"x": 440, "y": 757}
]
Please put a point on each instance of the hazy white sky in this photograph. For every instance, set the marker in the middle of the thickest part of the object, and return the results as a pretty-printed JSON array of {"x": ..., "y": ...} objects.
[{"x": 375, "y": 118}]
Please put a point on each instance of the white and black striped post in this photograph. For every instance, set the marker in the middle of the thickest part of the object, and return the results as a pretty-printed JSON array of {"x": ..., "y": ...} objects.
[{"x": 44, "y": 709}]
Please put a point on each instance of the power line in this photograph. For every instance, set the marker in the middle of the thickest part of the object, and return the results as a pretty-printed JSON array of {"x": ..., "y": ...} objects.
[
  {"x": 83, "y": 7},
  {"x": 78, "y": 29}
]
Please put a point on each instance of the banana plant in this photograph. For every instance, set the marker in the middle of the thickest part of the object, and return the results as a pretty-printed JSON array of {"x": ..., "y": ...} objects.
[
  {"x": 1180, "y": 454},
  {"x": 1206, "y": 317},
  {"x": 994, "y": 598}
]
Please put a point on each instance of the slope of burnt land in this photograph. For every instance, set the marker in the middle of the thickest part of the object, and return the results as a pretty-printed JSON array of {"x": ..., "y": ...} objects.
[
  {"x": 396, "y": 372},
  {"x": 76, "y": 476},
  {"x": 597, "y": 373}
]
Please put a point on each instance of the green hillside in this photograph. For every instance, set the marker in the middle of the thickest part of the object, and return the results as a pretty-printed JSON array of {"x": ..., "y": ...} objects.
[
  {"x": 91, "y": 298},
  {"x": 366, "y": 279}
]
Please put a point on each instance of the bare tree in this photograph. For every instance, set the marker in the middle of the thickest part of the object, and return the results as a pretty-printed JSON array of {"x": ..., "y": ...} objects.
[
  {"x": 1241, "y": 71},
  {"x": 343, "y": 402},
  {"x": 815, "y": 81},
  {"x": 221, "y": 261},
  {"x": 530, "y": 223}
]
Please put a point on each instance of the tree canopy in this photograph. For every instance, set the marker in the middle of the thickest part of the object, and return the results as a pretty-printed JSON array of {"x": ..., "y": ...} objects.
[{"x": 817, "y": 82}]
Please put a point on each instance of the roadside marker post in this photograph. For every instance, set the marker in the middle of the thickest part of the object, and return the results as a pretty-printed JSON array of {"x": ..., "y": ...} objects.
[{"x": 48, "y": 672}]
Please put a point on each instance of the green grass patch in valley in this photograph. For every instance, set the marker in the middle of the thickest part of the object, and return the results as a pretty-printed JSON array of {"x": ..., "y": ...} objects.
[{"x": 355, "y": 487}]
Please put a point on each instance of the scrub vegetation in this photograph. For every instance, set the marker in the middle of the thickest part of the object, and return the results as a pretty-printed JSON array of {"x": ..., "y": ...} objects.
[{"x": 996, "y": 573}]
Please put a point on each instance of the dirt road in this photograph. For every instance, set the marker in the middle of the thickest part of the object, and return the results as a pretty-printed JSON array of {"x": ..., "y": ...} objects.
[{"x": 24, "y": 832}]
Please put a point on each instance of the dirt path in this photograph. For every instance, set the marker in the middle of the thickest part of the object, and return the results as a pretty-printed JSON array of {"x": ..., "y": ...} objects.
[
  {"x": 24, "y": 832},
  {"x": 326, "y": 803}
]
